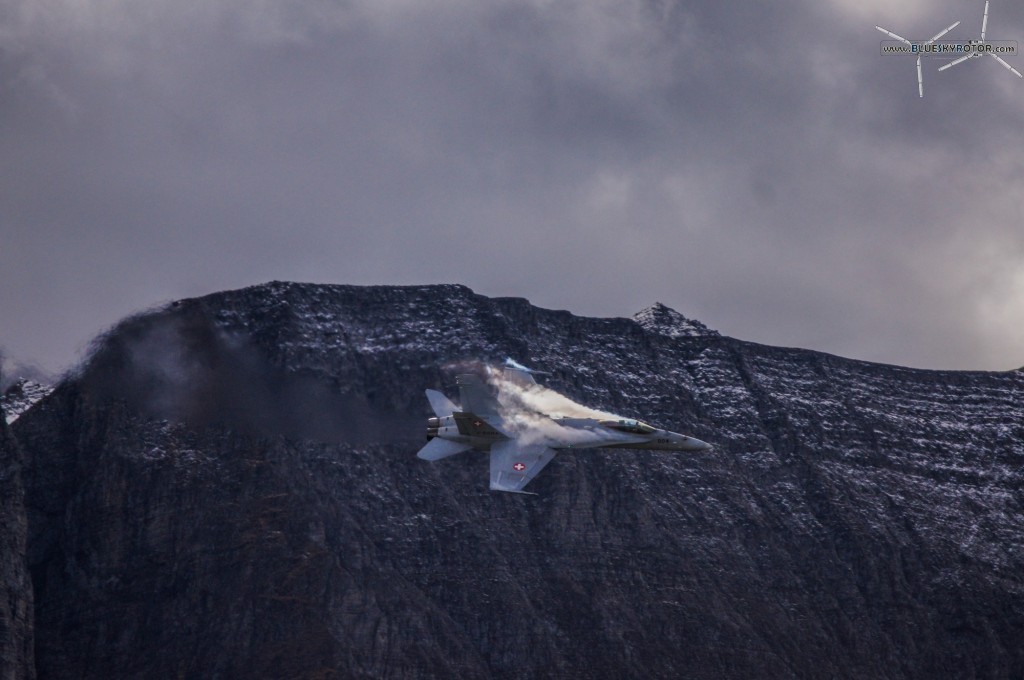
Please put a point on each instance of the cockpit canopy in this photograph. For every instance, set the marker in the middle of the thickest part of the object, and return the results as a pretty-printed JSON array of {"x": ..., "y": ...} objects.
[{"x": 630, "y": 426}]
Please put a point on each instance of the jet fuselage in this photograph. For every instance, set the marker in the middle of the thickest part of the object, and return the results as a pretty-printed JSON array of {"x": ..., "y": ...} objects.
[{"x": 561, "y": 433}]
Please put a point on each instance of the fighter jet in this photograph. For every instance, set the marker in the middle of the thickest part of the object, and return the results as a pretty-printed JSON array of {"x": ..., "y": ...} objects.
[{"x": 522, "y": 440}]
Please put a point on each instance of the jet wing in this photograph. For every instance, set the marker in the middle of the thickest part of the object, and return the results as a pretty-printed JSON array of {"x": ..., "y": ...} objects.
[
  {"x": 472, "y": 425},
  {"x": 514, "y": 465}
]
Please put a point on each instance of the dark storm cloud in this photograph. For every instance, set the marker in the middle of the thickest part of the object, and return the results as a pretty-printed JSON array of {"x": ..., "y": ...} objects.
[{"x": 761, "y": 168}]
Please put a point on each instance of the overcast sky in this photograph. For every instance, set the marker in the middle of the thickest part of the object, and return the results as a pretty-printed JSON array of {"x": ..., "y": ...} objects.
[{"x": 757, "y": 166}]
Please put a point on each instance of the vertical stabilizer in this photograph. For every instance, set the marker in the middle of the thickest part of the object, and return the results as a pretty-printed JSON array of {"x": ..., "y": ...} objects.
[
  {"x": 475, "y": 396},
  {"x": 440, "y": 404},
  {"x": 517, "y": 374}
]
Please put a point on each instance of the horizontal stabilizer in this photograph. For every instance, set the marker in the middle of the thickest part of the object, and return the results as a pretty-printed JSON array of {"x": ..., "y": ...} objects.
[
  {"x": 438, "y": 448},
  {"x": 440, "y": 404}
]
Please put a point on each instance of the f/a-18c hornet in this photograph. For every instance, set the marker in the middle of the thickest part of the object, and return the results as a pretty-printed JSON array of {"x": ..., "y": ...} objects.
[{"x": 525, "y": 424}]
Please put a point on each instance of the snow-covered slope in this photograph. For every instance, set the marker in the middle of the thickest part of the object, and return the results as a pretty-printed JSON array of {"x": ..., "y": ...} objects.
[{"x": 20, "y": 396}]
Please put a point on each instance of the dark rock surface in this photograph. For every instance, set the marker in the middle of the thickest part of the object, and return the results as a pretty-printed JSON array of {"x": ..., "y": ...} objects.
[
  {"x": 230, "y": 489},
  {"x": 15, "y": 586}
]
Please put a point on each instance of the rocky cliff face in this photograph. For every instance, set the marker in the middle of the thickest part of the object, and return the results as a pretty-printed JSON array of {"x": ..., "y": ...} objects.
[
  {"x": 15, "y": 587},
  {"x": 230, "y": 489}
]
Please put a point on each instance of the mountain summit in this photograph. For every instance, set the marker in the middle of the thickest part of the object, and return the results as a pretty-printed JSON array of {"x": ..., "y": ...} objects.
[
  {"x": 229, "y": 488},
  {"x": 659, "y": 318}
]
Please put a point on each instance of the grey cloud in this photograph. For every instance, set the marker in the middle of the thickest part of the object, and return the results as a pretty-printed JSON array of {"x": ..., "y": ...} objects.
[{"x": 761, "y": 168}]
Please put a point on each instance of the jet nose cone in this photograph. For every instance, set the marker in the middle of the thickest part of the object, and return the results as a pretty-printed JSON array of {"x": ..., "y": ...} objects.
[{"x": 694, "y": 444}]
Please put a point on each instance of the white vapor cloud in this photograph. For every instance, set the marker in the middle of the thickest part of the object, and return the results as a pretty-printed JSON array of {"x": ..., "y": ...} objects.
[
  {"x": 536, "y": 398},
  {"x": 528, "y": 411}
]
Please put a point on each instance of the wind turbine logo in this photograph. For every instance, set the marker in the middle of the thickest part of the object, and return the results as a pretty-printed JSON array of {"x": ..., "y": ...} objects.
[
  {"x": 976, "y": 52},
  {"x": 920, "y": 80}
]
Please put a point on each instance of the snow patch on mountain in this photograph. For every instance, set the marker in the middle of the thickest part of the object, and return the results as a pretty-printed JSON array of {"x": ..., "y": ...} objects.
[{"x": 20, "y": 397}]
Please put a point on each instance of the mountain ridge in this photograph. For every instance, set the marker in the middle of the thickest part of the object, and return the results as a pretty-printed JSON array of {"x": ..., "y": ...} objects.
[{"x": 229, "y": 488}]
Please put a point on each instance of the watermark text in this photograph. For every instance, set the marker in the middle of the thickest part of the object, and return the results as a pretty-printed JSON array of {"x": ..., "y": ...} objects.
[{"x": 951, "y": 49}]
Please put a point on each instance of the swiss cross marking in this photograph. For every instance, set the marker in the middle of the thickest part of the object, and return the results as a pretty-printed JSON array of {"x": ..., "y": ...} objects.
[{"x": 518, "y": 467}]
